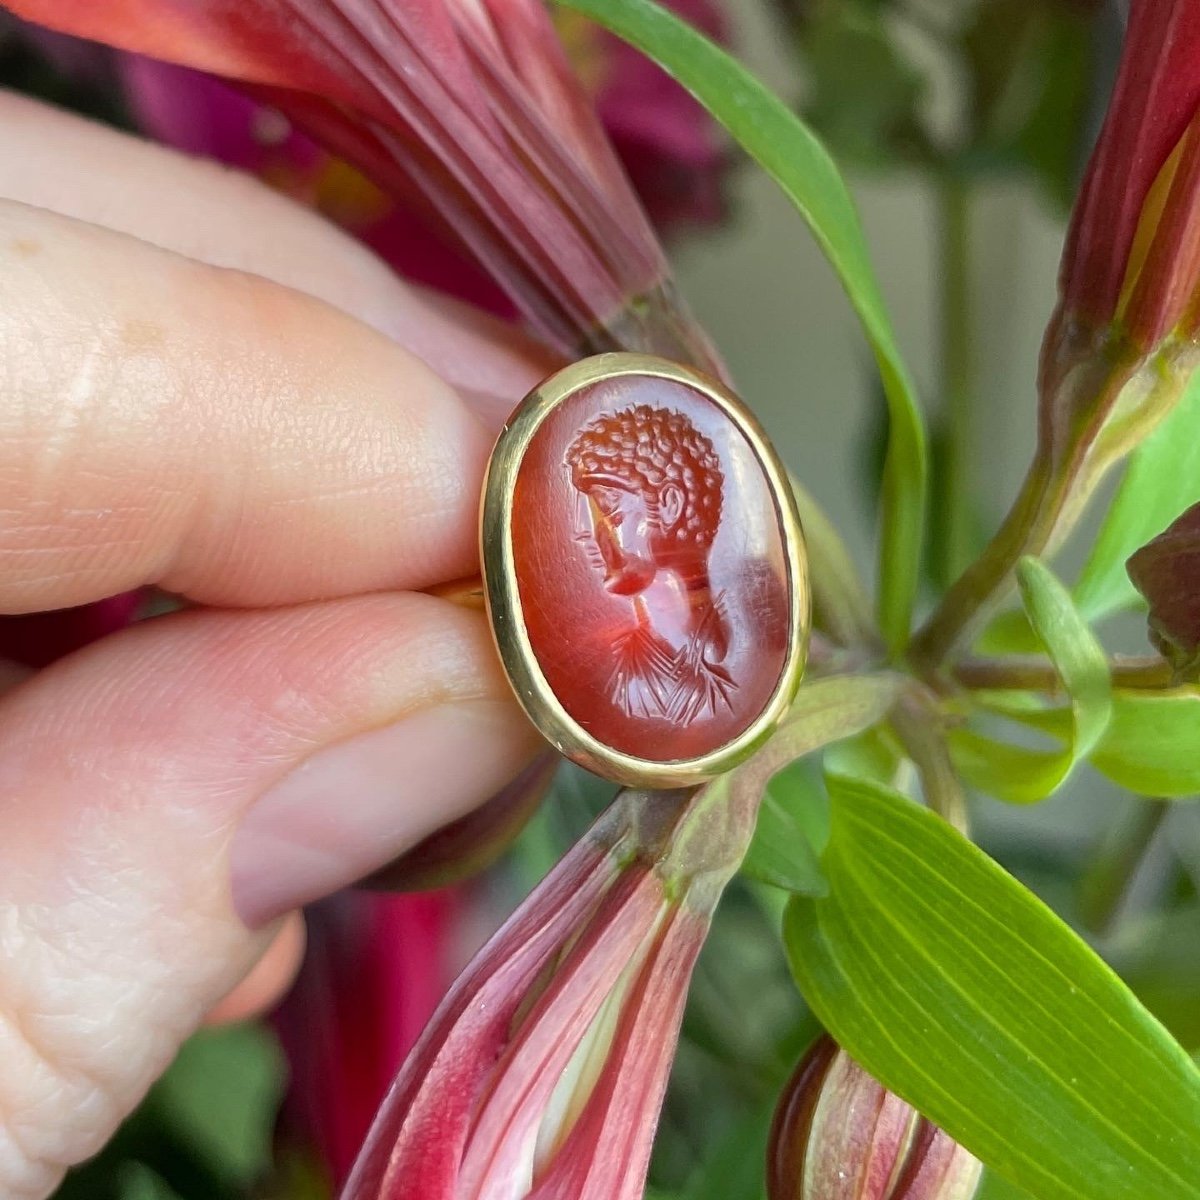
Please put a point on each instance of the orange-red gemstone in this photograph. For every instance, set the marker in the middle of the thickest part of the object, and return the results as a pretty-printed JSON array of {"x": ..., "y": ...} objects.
[{"x": 651, "y": 568}]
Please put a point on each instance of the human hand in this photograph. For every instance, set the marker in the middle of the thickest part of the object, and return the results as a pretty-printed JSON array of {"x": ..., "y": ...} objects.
[{"x": 267, "y": 443}]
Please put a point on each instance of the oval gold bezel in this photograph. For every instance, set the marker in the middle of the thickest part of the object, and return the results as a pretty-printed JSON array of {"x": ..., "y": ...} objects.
[{"x": 503, "y": 597}]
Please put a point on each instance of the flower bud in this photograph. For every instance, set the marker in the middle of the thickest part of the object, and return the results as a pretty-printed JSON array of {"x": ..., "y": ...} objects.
[
  {"x": 839, "y": 1134},
  {"x": 1167, "y": 572},
  {"x": 1122, "y": 342},
  {"x": 542, "y": 1073}
]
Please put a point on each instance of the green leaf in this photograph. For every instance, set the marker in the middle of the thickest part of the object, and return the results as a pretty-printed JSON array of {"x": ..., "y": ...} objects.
[
  {"x": 841, "y": 607},
  {"x": 996, "y": 1187},
  {"x": 1008, "y": 632},
  {"x": 824, "y": 711},
  {"x": 222, "y": 1093},
  {"x": 787, "y": 150},
  {"x": 1149, "y": 747},
  {"x": 1161, "y": 479},
  {"x": 785, "y": 849},
  {"x": 875, "y": 754},
  {"x": 1152, "y": 745},
  {"x": 1072, "y": 648},
  {"x": 965, "y": 995},
  {"x": 1019, "y": 774}
]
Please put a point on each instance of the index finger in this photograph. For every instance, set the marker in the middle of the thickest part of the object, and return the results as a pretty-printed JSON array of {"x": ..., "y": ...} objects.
[{"x": 229, "y": 439}]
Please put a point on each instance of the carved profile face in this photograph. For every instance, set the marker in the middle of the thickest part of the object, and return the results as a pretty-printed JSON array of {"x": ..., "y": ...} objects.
[
  {"x": 651, "y": 486},
  {"x": 649, "y": 565}
]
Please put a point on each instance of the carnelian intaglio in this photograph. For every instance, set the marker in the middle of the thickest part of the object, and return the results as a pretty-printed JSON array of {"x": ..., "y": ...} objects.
[{"x": 651, "y": 567}]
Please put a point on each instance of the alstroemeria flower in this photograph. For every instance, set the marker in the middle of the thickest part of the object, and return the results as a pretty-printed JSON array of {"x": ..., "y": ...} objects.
[
  {"x": 1123, "y": 339},
  {"x": 669, "y": 146},
  {"x": 467, "y": 106},
  {"x": 374, "y": 970},
  {"x": 1131, "y": 266},
  {"x": 839, "y": 1134},
  {"x": 1125, "y": 335},
  {"x": 542, "y": 1073},
  {"x": 206, "y": 116}
]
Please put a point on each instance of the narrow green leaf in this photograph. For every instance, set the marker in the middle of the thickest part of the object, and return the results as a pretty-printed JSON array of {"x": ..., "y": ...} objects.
[
  {"x": 1016, "y": 774},
  {"x": 996, "y": 1187},
  {"x": 964, "y": 994},
  {"x": 875, "y": 754},
  {"x": 1008, "y": 632},
  {"x": 841, "y": 606},
  {"x": 787, "y": 150},
  {"x": 1023, "y": 775},
  {"x": 1161, "y": 480},
  {"x": 1073, "y": 649}
]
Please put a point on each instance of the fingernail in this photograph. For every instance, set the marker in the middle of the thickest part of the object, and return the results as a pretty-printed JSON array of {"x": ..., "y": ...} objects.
[{"x": 351, "y": 807}]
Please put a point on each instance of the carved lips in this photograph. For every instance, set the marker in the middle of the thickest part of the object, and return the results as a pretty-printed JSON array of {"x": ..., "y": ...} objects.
[{"x": 644, "y": 570}]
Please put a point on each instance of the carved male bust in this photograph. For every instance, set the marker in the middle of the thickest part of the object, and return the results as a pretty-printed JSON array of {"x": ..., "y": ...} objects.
[{"x": 651, "y": 490}]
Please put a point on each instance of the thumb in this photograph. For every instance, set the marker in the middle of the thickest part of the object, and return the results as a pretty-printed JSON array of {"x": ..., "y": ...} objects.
[{"x": 166, "y": 789}]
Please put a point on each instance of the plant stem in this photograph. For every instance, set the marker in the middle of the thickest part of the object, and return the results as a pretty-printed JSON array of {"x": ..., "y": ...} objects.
[
  {"x": 957, "y": 382},
  {"x": 1082, "y": 380},
  {"x": 917, "y": 723},
  {"x": 1107, "y": 881},
  {"x": 1033, "y": 674},
  {"x": 1025, "y": 530}
]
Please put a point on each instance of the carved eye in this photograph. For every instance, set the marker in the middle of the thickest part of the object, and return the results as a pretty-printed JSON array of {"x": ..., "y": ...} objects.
[{"x": 608, "y": 501}]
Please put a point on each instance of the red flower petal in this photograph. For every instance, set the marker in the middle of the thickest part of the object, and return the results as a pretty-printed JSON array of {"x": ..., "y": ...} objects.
[
  {"x": 1155, "y": 98},
  {"x": 374, "y": 970},
  {"x": 469, "y": 104}
]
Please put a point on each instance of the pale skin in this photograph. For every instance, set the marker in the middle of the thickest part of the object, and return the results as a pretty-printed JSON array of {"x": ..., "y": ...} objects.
[{"x": 205, "y": 388}]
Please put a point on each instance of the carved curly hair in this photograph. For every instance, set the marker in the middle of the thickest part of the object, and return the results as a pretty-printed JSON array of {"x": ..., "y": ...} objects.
[{"x": 644, "y": 449}]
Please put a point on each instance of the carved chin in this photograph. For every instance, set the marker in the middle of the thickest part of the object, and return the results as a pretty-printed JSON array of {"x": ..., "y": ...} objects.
[{"x": 630, "y": 577}]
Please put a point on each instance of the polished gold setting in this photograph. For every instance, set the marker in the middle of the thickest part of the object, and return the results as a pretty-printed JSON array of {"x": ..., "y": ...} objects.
[{"x": 503, "y": 596}]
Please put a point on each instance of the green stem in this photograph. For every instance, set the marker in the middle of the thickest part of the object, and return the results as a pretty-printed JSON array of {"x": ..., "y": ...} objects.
[
  {"x": 1107, "y": 881},
  {"x": 1033, "y": 674},
  {"x": 1025, "y": 530},
  {"x": 1081, "y": 386},
  {"x": 918, "y": 724},
  {"x": 957, "y": 379}
]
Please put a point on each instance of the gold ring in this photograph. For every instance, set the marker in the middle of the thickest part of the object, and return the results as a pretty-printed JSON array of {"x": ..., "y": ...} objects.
[{"x": 644, "y": 570}]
